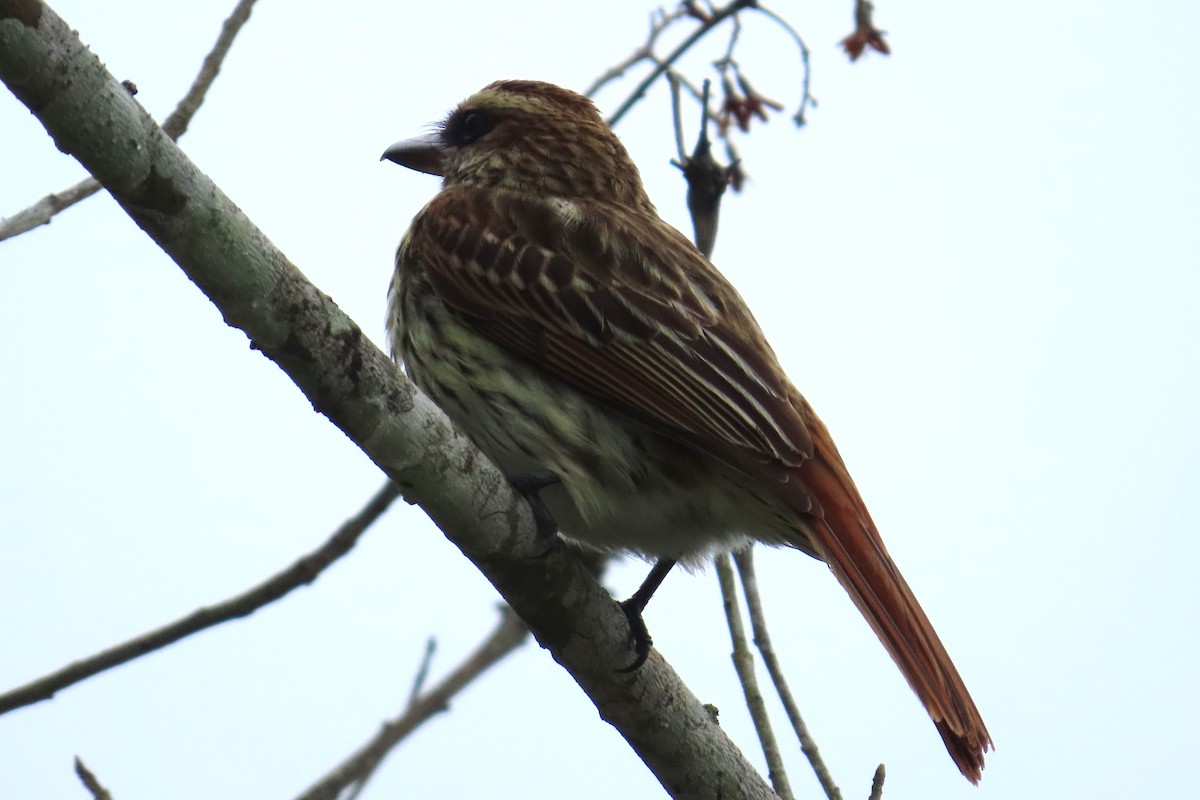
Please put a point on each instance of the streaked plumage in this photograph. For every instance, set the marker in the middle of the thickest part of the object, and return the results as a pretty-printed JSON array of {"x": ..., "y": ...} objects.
[{"x": 549, "y": 311}]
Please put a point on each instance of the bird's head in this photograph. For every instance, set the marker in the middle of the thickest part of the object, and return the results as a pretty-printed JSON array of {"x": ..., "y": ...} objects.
[{"x": 527, "y": 136}]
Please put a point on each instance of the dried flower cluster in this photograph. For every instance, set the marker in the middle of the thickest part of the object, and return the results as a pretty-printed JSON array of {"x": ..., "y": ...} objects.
[
  {"x": 865, "y": 33},
  {"x": 742, "y": 104}
]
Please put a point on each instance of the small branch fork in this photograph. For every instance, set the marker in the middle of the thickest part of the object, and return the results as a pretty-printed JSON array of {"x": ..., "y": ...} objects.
[
  {"x": 304, "y": 571},
  {"x": 354, "y": 772},
  {"x": 175, "y": 125},
  {"x": 708, "y": 18}
]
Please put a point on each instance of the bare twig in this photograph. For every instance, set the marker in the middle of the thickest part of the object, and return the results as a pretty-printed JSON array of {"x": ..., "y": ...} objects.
[
  {"x": 90, "y": 782},
  {"x": 743, "y": 662},
  {"x": 303, "y": 571},
  {"x": 176, "y": 124},
  {"x": 676, "y": 115},
  {"x": 422, "y": 672},
  {"x": 762, "y": 640},
  {"x": 877, "y": 783},
  {"x": 711, "y": 21},
  {"x": 679, "y": 81},
  {"x": 659, "y": 22},
  {"x": 806, "y": 99},
  {"x": 509, "y": 633},
  {"x": 733, "y": 39},
  {"x": 695, "y": 91},
  {"x": 41, "y": 212}
]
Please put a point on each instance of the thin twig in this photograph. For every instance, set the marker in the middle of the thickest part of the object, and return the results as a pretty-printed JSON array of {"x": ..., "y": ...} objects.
[
  {"x": 743, "y": 662},
  {"x": 41, "y": 212},
  {"x": 303, "y": 571},
  {"x": 422, "y": 672},
  {"x": 676, "y": 115},
  {"x": 90, "y": 782},
  {"x": 762, "y": 640},
  {"x": 733, "y": 39},
  {"x": 718, "y": 16},
  {"x": 700, "y": 95},
  {"x": 877, "y": 783},
  {"x": 509, "y": 633},
  {"x": 806, "y": 99},
  {"x": 659, "y": 22},
  {"x": 176, "y": 123},
  {"x": 696, "y": 92}
]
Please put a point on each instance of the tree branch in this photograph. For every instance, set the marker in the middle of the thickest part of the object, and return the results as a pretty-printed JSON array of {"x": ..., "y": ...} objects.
[
  {"x": 350, "y": 381},
  {"x": 877, "y": 783},
  {"x": 508, "y": 635},
  {"x": 806, "y": 99},
  {"x": 302, "y": 572},
  {"x": 659, "y": 22},
  {"x": 762, "y": 639},
  {"x": 707, "y": 24},
  {"x": 90, "y": 782},
  {"x": 743, "y": 662},
  {"x": 175, "y": 125}
]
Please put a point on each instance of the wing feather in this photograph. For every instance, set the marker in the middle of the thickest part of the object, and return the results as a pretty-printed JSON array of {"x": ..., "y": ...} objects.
[{"x": 620, "y": 305}]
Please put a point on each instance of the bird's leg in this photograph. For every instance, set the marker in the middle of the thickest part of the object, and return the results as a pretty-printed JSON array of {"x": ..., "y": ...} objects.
[
  {"x": 529, "y": 485},
  {"x": 634, "y": 606}
]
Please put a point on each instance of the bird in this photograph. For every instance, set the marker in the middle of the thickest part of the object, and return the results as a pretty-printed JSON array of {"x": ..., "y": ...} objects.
[{"x": 592, "y": 352}]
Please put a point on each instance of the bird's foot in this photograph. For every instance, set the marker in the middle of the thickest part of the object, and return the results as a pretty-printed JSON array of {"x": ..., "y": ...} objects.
[
  {"x": 529, "y": 485},
  {"x": 638, "y": 633},
  {"x": 635, "y": 605}
]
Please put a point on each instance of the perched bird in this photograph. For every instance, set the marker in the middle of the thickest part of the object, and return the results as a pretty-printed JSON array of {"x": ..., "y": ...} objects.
[{"x": 591, "y": 351}]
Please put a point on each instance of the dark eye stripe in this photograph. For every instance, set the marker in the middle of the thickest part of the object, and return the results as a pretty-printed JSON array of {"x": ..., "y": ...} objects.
[{"x": 465, "y": 127}]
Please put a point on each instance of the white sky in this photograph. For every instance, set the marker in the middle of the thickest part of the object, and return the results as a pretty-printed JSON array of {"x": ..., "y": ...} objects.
[{"x": 978, "y": 262}]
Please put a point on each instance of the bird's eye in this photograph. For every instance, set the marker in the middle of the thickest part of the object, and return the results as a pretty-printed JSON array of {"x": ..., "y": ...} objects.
[{"x": 468, "y": 127}]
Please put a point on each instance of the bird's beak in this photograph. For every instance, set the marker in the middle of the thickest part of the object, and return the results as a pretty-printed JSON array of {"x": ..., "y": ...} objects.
[{"x": 422, "y": 153}]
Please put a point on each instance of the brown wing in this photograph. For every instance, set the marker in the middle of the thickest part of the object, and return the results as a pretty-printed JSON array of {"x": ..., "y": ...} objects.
[{"x": 620, "y": 305}]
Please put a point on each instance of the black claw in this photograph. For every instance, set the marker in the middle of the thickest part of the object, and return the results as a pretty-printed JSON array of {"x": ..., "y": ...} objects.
[
  {"x": 634, "y": 606},
  {"x": 638, "y": 633},
  {"x": 528, "y": 486}
]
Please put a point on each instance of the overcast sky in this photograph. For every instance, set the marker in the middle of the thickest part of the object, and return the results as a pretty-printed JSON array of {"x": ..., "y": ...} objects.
[{"x": 978, "y": 262}]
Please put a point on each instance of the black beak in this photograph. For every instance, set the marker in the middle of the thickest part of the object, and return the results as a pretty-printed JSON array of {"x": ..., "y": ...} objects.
[{"x": 422, "y": 153}]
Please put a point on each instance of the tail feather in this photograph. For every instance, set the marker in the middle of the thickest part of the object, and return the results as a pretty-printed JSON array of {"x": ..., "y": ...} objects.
[{"x": 841, "y": 530}]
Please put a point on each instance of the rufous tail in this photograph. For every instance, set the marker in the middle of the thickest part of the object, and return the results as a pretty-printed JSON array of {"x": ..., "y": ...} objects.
[{"x": 843, "y": 533}]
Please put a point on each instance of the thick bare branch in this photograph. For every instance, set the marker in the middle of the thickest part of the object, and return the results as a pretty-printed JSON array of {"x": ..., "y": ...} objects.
[
  {"x": 349, "y": 380},
  {"x": 302, "y": 572},
  {"x": 41, "y": 212}
]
